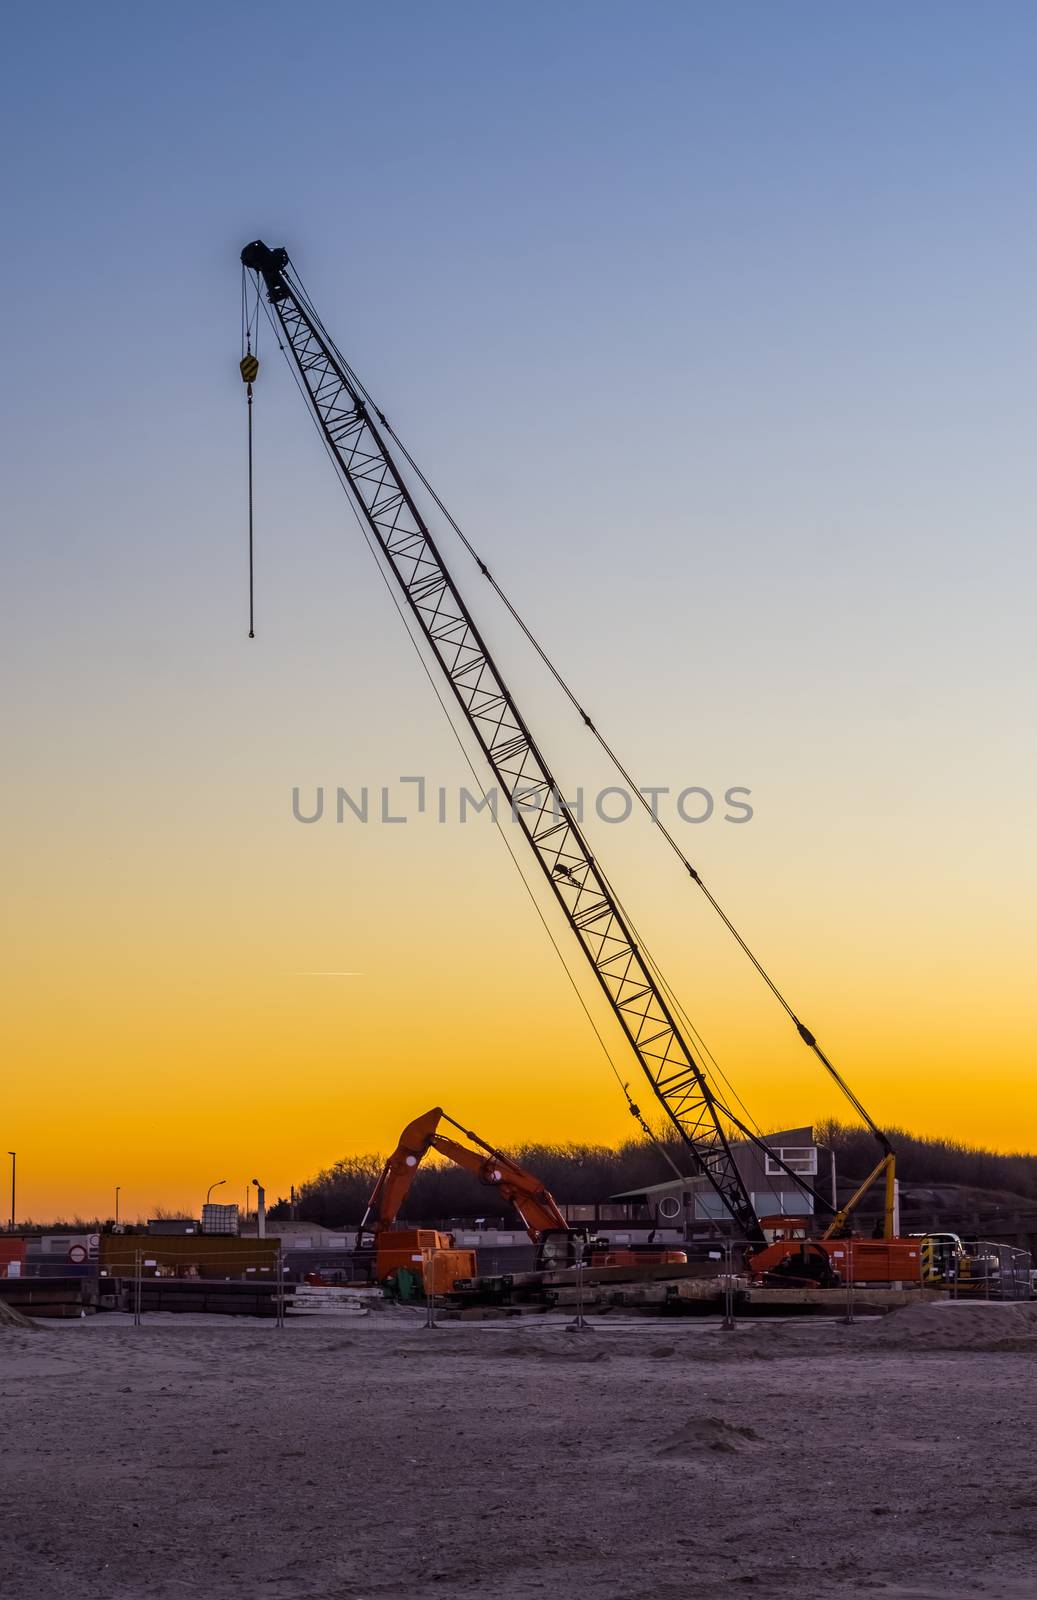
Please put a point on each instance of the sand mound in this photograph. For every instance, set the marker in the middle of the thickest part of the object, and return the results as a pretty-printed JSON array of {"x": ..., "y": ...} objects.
[
  {"x": 570, "y": 1347},
  {"x": 10, "y": 1317},
  {"x": 557, "y": 1352},
  {"x": 702, "y": 1434},
  {"x": 955, "y": 1325}
]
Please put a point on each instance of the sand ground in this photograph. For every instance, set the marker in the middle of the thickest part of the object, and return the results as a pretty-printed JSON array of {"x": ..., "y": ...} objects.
[{"x": 343, "y": 1458}]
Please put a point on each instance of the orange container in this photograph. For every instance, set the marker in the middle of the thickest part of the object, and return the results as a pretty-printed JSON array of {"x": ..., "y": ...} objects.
[
  {"x": 406, "y": 1247},
  {"x": 875, "y": 1260},
  {"x": 442, "y": 1268},
  {"x": 855, "y": 1260},
  {"x": 426, "y": 1251},
  {"x": 639, "y": 1258},
  {"x": 11, "y": 1250}
]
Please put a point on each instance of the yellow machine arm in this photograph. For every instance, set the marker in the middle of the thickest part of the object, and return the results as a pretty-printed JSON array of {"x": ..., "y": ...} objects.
[{"x": 886, "y": 1169}]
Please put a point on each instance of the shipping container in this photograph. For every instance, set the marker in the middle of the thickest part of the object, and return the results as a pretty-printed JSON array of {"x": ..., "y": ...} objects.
[
  {"x": 12, "y": 1256},
  {"x": 187, "y": 1255}
]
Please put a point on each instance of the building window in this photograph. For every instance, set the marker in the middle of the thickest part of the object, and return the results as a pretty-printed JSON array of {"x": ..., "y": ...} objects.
[{"x": 800, "y": 1159}]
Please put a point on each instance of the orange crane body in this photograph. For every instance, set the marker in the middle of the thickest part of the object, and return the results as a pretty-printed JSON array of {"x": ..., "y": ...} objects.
[{"x": 799, "y": 1258}]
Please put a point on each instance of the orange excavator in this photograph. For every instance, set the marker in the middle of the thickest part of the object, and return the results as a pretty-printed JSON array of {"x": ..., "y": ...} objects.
[
  {"x": 534, "y": 1204},
  {"x": 431, "y": 1256}
]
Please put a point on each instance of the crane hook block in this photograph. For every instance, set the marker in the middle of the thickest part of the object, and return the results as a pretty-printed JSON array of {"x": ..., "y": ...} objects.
[{"x": 249, "y": 368}]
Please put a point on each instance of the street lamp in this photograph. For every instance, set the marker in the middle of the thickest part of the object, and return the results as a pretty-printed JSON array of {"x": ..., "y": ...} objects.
[
  {"x": 260, "y": 1209},
  {"x": 14, "y": 1168},
  {"x": 212, "y": 1186},
  {"x": 118, "y": 1186}
]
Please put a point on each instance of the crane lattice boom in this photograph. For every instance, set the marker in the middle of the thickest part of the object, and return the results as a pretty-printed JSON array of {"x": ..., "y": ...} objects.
[{"x": 590, "y": 906}]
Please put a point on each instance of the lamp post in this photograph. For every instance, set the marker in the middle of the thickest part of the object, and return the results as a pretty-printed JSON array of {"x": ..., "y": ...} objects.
[
  {"x": 827, "y": 1150},
  {"x": 118, "y": 1186},
  {"x": 212, "y": 1186},
  {"x": 260, "y": 1209},
  {"x": 14, "y": 1168}
]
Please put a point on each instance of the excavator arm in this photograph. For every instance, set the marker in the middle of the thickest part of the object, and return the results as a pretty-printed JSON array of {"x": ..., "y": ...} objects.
[
  {"x": 535, "y": 1205},
  {"x": 398, "y": 1174}
]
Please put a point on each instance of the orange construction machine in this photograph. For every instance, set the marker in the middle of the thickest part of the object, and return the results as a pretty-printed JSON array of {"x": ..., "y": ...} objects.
[
  {"x": 798, "y": 1256},
  {"x": 432, "y": 1256}
]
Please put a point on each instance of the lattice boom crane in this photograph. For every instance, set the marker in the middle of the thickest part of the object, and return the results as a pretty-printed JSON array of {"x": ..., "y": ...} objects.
[{"x": 356, "y": 441}]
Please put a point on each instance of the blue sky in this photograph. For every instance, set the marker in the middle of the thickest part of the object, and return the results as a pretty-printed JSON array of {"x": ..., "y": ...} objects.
[
  {"x": 775, "y": 252},
  {"x": 714, "y": 325}
]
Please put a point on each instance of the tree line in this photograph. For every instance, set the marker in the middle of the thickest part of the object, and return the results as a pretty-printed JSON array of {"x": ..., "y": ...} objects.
[{"x": 579, "y": 1174}]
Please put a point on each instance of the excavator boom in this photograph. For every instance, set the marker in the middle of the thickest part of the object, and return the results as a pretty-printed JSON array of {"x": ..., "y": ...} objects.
[
  {"x": 398, "y": 1174},
  {"x": 535, "y": 1205}
]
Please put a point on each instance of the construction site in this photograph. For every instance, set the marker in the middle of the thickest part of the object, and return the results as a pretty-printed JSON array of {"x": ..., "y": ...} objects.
[
  {"x": 744, "y": 1223},
  {"x": 655, "y": 1252},
  {"x": 556, "y": 1383},
  {"x": 539, "y": 782}
]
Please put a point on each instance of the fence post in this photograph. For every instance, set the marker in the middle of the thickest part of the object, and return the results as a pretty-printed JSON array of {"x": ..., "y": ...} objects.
[
  {"x": 728, "y": 1322},
  {"x": 279, "y": 1319},
  {"x": 849, "y": 1280},
  {"x": 581, "y": 1321},
  {"x": 137, "y": 1288},
  {"x": 430, "y": 1292}
]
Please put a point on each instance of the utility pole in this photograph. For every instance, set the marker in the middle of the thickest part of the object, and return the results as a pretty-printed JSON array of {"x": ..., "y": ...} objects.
[
  {"x": 118, "y": 1186},
  {"x": 14, "y": 1168}
]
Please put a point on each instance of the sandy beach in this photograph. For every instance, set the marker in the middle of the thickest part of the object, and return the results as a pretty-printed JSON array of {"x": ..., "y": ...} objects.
[{"x": 341, "y": 1458}]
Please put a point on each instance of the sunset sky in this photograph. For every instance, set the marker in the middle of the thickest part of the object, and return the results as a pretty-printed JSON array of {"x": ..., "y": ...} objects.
[{"x": 714, "y": 326}]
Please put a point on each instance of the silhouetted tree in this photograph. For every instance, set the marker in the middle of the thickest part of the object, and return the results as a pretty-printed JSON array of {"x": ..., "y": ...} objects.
[{"x": 583, "y": 1174}]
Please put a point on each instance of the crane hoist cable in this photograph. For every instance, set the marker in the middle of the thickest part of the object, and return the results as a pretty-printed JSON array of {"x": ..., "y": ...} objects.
[
  {"x": 645, "y": 951},
  {"x": 249, "y": 369},
  {"x": 753, "y": 1133},
  {"x": 577, "y": 880},
  {"x": 716, "y": 1145},
  {"x": 805, "y": 1033},
  {"x": 632, "y": 1107}
]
